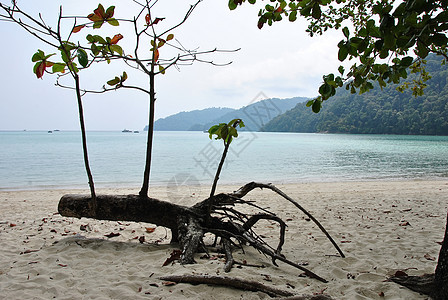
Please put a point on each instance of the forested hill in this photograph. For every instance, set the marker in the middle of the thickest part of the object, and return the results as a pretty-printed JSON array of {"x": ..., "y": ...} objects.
[
  {"x": 187, "y": 120},
  {"x": 254, "y": 115},
  {"x": 380, "y": 112}
]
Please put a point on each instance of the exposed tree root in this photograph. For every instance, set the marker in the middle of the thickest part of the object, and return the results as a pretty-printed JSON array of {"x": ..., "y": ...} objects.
[
  {"x": 237, "y": 283},
  {"x": 218, "y": 215}
]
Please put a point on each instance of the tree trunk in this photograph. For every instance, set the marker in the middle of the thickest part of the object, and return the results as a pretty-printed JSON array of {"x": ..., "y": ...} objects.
[
  {"x": 441, "y": 276},
  {"x": 124, "y": 208}
]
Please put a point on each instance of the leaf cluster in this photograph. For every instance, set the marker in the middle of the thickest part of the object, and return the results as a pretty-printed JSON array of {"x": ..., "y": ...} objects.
[
  {"x": 101, "y": 16},
  {"x": 226, "y": 131},
  {"x": 390, "y": 39}
]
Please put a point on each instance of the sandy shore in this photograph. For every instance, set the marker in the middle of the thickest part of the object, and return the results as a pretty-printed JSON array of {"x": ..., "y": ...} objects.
[{"x": 381, "y": 226}]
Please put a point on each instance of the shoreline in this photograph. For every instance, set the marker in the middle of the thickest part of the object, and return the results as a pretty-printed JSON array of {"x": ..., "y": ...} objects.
[
  {"x": 382, "y": 227},
  {"x": 157, "y": 186}
]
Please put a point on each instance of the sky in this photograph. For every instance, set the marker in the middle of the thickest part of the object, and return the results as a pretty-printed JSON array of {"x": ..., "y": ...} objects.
[{"x": 279, "y": 61}]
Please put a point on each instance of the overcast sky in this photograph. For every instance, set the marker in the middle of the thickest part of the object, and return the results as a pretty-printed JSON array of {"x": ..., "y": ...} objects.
[{"x": 281, "y": 61}]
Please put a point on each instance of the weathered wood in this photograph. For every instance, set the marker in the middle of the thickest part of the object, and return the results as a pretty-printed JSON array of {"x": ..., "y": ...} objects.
[
  {"x": 124, "y": 208},
  {"x": 237, "y": 283},
  {"x": 217, "y": 215}
]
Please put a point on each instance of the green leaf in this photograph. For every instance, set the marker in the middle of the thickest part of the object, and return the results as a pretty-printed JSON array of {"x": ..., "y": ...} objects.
[
  {"x": 83, "y": 59},
  {"x": 325, "y": 90},
  {"x": 293, "y": 16},
  {"x": 343, "y": 52},
  {"x": 114, "y": 81},
  {"x": 64, "y": 56},
  {"x": 317, "y": 105},
  {"x": 58, "y": 67},
  {"x": 98, "y": 24},
  {"x": 113, "y": 22},
  {"x": 346, "y": 32},
  {"x": 170, "y": 37},
  {"x": 213, "y": 130},
  {"x": 116, "y": 48},
  {"x": 406, "y": 61},
  {"x": 317, "y": 13},
  {"x": 39, "y": 55},
  {"x": 124, "y": 77},
  {"x": 232, "y": 5},
  {"x": 422, "y": 50}
]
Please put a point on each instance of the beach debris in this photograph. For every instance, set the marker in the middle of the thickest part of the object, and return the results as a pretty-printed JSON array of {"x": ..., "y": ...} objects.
[
  {"x": 150, "y": 229},
  {"x": 28, "y": 251},
  {"x": 112, "y": 234},
  {"x": 405, "y": 223},
  {"x": 429, "y": 257},
  {"x": 175, "y": 255},
  {"x": 85, "y": 227}
]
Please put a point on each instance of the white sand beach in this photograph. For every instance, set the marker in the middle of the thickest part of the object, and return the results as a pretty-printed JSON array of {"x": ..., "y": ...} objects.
[{"x": 382, "y": 227}]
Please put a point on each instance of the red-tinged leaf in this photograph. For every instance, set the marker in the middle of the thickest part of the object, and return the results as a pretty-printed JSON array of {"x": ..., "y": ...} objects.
[
  {"x": 381, "y": 294},
  {"x": 400, "y": 274},
  {"x": 49, "y": 64},
  {"x": 115, "y": 39},
  {"x": 94, "y": 18},
  {"x": 175, "y": 255},
  {"x": 150, "y": 229},
  {"x": 169, "y": 283},
  {"x": 78, "y": 28},
  {"x": 156, "y": 55},
  {"x": 279, "y": 9},
  {"x": 405, "y": 223},
  {"x": 111, "y": 235},
  {"x": 157, "y": 20},
  {"x": 12, "y": 225},
  {"x": 100, "y": 12},
  {"x": 110, "y": 12},
  {"x": 141, "y": 239},
  {"x": 148, "y": 19},
  {"x": 62, "y": 265},
  {"x": 40, "y": 70}
]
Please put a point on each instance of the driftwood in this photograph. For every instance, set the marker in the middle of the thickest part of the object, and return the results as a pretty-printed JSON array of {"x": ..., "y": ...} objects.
[
  {"x": 238, "y": 283},
  {"x": 218, "y": 215}
]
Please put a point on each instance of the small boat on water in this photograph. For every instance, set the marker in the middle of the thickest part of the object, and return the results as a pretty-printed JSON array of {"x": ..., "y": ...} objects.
[
  {"x": 49, "y": 131},
  {"x": 136, "y": 131},
  {"x": 126, "y": 130}
]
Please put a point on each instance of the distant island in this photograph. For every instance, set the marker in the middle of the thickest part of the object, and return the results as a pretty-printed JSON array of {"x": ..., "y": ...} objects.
[{"x": 379, "y": 111}]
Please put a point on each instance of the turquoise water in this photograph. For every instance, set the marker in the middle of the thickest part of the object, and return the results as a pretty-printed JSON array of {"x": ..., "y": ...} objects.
[{"x": 34, "y": 160}]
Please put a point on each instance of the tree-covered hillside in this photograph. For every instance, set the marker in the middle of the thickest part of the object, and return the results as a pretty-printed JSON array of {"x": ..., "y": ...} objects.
[
  {"x": 256, "y": 115},
  {"x": 184, "y": 121},
  {"x": 380, "y": 112}
]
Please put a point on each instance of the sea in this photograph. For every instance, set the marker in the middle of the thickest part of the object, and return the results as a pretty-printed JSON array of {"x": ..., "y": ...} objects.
[{"x": 31, "y": 160}]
